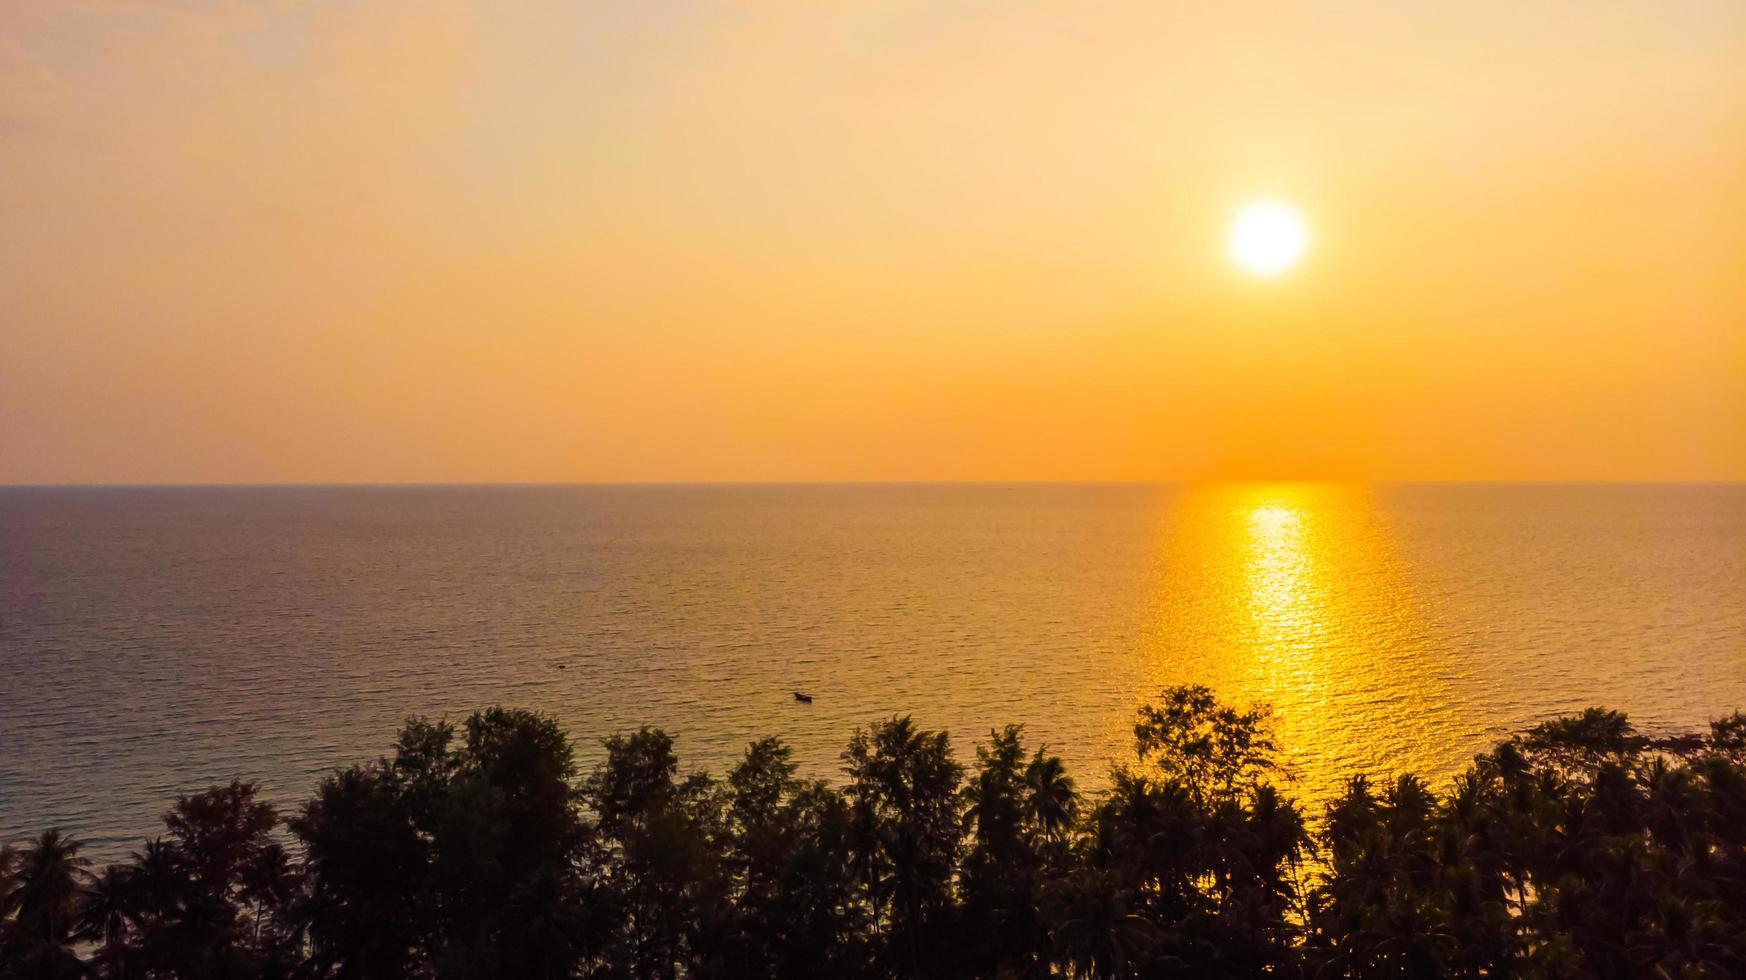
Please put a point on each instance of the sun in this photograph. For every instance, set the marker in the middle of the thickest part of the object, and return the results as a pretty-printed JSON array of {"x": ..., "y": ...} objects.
[{"x": 1268, "y": 237}]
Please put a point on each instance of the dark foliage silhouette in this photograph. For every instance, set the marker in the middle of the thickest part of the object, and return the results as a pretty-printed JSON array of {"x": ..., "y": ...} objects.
[{"x": 478, "y": 850}]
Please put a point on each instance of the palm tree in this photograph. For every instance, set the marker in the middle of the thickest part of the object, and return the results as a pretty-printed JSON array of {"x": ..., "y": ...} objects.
[
  {"x": 8, "y": 882},
  {"x": 905, "y": 786},
  {"x": 1096, "y": 931},
  {"x": 107, "y": 906},
  {"x": 1052, "y": 802},
  {"x": 45, "y": 907}
]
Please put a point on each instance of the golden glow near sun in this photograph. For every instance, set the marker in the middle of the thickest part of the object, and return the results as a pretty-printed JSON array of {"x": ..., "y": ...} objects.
[
  {"x": 1268, "y": 237},
  {"x": 821, "y": 223}
]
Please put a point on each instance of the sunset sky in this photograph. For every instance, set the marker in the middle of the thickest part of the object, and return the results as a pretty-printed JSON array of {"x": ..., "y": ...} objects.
[{"x": 381, "y": 242}]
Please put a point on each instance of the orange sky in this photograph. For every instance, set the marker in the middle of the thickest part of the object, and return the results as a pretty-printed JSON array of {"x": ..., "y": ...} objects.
[{"x": 324, "y": 241}]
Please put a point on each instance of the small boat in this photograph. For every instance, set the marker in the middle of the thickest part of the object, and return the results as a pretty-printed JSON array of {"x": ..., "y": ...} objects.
[{"x": 802, "y": 698}]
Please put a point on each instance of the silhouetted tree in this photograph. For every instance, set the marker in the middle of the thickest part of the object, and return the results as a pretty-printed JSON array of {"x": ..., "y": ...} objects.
[
  {"x": 368, "y": 867},
  {"x": 1194, "y": 840},
  {"x": 1018, "y": 809},
  {"x": 459, "y": 857},
  {"x": 505, "y": 839},
  {"x": 216, "y": 898},
  {"x": 108, "y": 913},
  {"x": 8, "y": 885},
  {"x": 904, "y": 791},
  {"x": 798, "y": 910},
  {"x": 1213, "y": 751},
  {"x": 42, "y": 893},
  {"x": 669, "y": 840},
  {"x": 1579, "y": 849}
]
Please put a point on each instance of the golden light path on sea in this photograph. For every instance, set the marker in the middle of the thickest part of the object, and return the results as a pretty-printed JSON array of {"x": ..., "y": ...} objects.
[{"x": 1296, "y": 596}]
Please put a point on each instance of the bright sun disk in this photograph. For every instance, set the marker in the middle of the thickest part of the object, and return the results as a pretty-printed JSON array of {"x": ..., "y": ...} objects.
[{"x": 1268, "y": 237}]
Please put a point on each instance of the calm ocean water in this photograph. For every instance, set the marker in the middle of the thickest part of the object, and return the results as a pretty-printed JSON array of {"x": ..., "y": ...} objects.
[{"x": 153, "y": 641}]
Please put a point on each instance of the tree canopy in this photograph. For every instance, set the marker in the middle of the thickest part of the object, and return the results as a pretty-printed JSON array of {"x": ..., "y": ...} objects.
[{"x": 478, "y": 850}]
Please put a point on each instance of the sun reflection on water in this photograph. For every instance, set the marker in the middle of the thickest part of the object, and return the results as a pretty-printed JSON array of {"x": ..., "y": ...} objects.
[
  {"x": 1280, "y": 601},
  {"x": 1294, "y": 596}
]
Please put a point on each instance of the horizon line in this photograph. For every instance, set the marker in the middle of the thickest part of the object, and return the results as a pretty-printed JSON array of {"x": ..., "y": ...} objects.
[{"x": 531, "y": 484}]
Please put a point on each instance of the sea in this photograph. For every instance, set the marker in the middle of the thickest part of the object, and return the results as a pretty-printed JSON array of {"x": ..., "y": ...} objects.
[{"x": 155, "y": 641}]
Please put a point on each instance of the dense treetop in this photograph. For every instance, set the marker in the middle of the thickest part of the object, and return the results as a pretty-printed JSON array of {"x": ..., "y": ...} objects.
[{"x": 477, "y": 850}]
